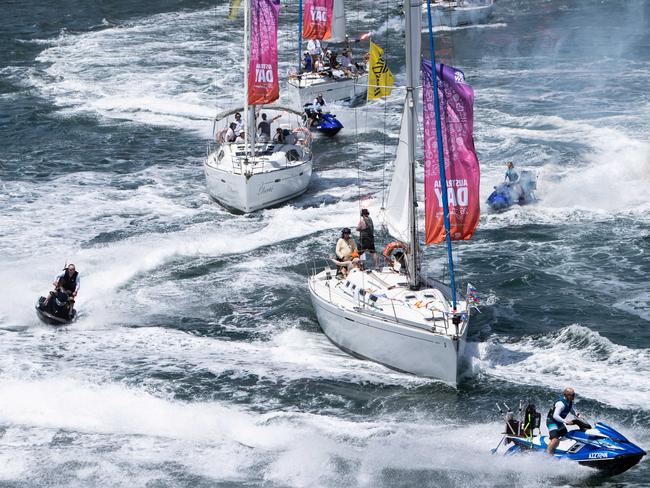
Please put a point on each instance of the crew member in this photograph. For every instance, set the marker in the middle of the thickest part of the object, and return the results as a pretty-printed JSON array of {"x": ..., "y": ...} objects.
[
  {"x": 555, "y": 420},
  {"x": 264, "y": 128},
  {"x": 345, "y": 246},
  {"x": 366, "y": 230},
  {"x": 239, "y": 129},
  {"x": 68, "y": 280}
]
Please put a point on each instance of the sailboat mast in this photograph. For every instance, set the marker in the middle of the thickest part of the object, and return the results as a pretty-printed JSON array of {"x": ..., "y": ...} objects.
[
  {"x": 413, "y": 42},
  {"x": 299, "y": 37},
  {"x": 441, "y": 160},
  {"x": 247, "y": 4}
]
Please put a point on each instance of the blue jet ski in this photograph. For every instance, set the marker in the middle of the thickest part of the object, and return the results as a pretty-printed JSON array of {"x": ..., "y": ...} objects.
[
  {"x": 600, "y": 447},
  {"x": 521, "y": 192},
  {"x": 57, "y": 310},
  {"x": 320, "y": 122}
]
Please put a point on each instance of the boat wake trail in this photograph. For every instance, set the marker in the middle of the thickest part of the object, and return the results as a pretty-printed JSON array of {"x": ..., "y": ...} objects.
[{"x": 575, "y": 355}]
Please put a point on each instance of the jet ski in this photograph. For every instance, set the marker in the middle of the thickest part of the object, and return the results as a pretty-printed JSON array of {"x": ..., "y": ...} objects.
[
  {"x": 59, "y": 309},
  {"x": 600, "y": 447},
  {"x": 324, "y": 122},
  {"x": 521, "y": 192}
]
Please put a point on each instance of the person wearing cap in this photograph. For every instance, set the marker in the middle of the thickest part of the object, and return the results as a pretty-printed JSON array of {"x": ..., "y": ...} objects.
[
  {"x": 366, "y": 230},
  {"x": 555, "y": 420},
  {"x": 346, "y": 248}
]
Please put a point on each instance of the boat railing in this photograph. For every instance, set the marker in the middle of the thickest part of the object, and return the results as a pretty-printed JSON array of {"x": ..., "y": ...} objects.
[{"x": 363, "y": 306}]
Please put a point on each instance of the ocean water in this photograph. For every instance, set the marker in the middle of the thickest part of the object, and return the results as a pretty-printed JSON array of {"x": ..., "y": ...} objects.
[{"x": 197, "y": 359}]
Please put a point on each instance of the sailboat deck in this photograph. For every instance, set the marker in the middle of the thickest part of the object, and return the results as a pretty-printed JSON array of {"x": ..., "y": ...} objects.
[{"x": 385, "y": 294}]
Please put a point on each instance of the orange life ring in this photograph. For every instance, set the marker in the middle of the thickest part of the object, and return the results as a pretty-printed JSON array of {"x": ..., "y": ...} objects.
[{"x": 393, "y": 246}]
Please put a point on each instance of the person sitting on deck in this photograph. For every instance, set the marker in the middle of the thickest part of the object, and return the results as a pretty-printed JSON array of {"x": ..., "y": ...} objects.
[
  {"x": 345, "y": 246},
  {"x": 231, "y": 136},
  {"x": 306, "y": 62},
  {"x": 279, "y": 138},
  {"x": 344, "y": 267}
]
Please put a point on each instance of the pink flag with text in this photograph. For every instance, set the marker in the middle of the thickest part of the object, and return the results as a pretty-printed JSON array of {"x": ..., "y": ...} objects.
[
  {"x": 461, "y": 163},
  {"x": 263, "y": 83},
  {"x": 317, "y": 19}
]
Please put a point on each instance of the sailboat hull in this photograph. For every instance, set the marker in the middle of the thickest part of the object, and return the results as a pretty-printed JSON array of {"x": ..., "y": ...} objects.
[
  {"x": 243, "y": 193},
  {"x": 304, "y": 90},
  {"x": 398, "y": 346}
]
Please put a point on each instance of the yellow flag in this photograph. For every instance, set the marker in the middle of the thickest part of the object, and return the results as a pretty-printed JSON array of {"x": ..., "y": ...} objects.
[
  {"x": 234, "y": 9},
  {"x": 380, "y": 78}
]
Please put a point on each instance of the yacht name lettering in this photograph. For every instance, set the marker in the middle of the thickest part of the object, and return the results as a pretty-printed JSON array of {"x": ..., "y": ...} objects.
[
  {"x": 319, "y": 14},
  {"x": 597, "y": 455},
  {"x": 264, "y": 73}
]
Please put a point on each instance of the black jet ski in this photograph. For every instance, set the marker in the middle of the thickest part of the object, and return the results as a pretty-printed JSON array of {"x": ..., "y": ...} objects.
[{"x": 59, "y": 309}]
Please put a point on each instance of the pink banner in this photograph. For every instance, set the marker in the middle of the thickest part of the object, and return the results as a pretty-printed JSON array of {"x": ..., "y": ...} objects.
[
  {"x": 461, "y": 164},
  {"x": 263, "y": 83},
  {"x": 317, "y": 16}
]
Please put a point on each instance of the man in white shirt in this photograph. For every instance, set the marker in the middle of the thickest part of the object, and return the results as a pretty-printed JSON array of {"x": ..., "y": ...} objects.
[{"x": 239, "y": 129}]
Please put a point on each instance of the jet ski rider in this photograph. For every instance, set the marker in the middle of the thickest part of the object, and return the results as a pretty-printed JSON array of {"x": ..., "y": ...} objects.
[
  {"x": 555, "y": 420},
  {"x": 68, "y": 280}
]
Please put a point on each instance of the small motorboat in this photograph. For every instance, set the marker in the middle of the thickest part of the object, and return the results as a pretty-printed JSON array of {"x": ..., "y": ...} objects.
[
  {"x": 600, "y": 447},
  {"x": 58, "y": 310},
  {"x": 521, "y": 192},
  {"x": 320, "y": 122}
]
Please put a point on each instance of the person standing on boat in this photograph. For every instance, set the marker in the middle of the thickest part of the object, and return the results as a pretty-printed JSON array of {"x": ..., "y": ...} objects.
[
  {"x": 315, "y": 50},
  {"x": 239, "y": 129},
  {"x": 555, "y": 419},
  {"x": 264, "y": 128},
  {"x": 511, "y": 175},
  {"x": 366, "y": 230}
]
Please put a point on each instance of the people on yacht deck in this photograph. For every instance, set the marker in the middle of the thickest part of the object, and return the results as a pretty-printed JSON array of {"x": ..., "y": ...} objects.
[
  {"x": 264, "y": 128},
  {"x": 239, "y": 129},
  {"x": 555, "y": 419},
  {"x": 511, "y": 175},
  {"x": 346, "y": 248},
  {"x": 347, "y": 64},
  {"x": 279, "y": 138},
  {"x": 231, "y": 136}
]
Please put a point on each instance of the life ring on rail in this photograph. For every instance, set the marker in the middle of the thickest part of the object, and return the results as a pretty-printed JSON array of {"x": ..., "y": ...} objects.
[{"x": 394, "y": 246}]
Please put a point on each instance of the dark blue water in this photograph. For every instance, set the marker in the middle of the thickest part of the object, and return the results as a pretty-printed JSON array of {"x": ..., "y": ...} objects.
[{"x": 198, "y": 360}]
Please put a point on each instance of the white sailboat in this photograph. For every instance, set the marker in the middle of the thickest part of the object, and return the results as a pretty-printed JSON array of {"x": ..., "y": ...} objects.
[
  {"x": 251, "y": 173},
  {"x": 458, "y": 13},
  {"x": 401, "y": 320},
  {"x": 304, "y": 87}
]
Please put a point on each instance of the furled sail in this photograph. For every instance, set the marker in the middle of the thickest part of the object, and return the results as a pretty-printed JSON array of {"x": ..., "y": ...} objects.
[
  {"x": 396, "y": 214},
  {"x": 461, "y": 163},
  {"x": 317, "y": 19},
  {"x": 263, "y": 83}
]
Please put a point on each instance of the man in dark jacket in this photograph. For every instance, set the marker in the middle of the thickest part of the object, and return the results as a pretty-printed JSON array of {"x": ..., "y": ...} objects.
[{"x": 366, "y": 230}]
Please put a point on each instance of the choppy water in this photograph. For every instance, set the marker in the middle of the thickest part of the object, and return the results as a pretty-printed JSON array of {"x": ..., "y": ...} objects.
[{"x": 198, "y": 361}]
